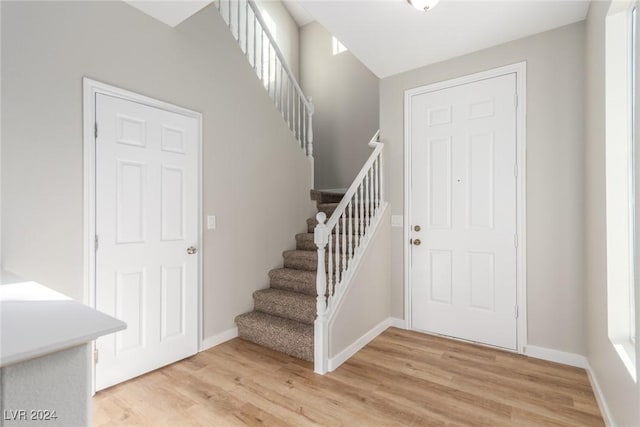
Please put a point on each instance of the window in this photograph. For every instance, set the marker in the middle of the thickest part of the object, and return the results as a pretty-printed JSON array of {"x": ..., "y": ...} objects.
[
  {"x": 620, "y": 48},
  {"x": 337, "y": 46}
]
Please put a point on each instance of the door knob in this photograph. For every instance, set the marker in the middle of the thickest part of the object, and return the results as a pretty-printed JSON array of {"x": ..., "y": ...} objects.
[
  {"x": 416, "y": 242},
  {"x": 192, "y": 250}
]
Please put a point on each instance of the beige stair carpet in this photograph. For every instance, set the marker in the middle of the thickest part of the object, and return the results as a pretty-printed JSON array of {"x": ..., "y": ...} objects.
[{"x": 284, "y": 313}]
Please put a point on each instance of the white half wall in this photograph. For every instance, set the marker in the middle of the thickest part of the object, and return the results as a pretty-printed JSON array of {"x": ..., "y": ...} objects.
[{"x": 365, "y": 305}]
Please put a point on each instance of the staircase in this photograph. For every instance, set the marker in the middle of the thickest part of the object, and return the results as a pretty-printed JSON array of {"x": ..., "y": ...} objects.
[
  {"x": 284, "y": 314},
  {"x": 294, "y": 314}
]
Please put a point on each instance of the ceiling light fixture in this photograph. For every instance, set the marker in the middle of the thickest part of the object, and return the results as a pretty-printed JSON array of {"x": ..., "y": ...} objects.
[{"x": 423, "y": 5}]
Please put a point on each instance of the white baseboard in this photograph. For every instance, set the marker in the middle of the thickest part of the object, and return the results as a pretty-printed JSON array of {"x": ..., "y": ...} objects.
[
  {"x": 345, "y": 354},
  {"x": 578, "y": 361},
  {"x": 213, "y": 341},
  {"x": 394, "y": 322},
  {"x": 602, "y": 403},
  {"x": 557, "y": 356}
]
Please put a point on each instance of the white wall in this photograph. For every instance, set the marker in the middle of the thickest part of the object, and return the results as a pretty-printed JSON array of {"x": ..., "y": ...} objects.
[
  {"x": 555, "y": 114},
  {"x": 345, "y": 96},
  {"x": 256, "y": 180},
  {"x": 619, "y": 390}
]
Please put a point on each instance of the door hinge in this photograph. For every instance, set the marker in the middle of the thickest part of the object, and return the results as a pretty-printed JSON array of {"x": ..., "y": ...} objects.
[
  {"x": 96, "y": 243},
  {"x": 515, "y": 100},
  {"x": 515, "y": 240},
  {"x": 95, "y": 355},
  {"x": 516, "y": 311},
  {"x": 95, "y": 129}
]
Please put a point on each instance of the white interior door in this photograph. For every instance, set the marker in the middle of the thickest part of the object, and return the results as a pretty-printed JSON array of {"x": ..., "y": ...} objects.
[
  {"x": 463, "y": 199},
  {"x": 146, "y": 219}
]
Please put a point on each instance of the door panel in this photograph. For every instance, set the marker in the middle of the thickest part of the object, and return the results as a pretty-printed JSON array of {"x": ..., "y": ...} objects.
[
  {"x": 146, "y": 218},
  {"x": 463, "y": 196}
]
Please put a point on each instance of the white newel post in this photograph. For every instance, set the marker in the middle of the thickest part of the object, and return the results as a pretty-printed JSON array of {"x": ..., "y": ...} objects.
[
  {"x": 310, "y": 111},
  {"x": 321, "y": 345}
]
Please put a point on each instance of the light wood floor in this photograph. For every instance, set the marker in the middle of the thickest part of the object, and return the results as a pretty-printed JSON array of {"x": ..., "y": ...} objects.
[{"x": 401, "y": 378}]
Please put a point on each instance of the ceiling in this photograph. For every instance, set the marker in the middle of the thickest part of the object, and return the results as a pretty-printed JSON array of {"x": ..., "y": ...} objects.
[
  {"x": 390, "y": 36},
  {"x": 171, "y": 12}
]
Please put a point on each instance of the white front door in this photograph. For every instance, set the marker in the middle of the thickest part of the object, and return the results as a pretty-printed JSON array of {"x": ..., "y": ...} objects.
[
  {"x": 463, "y": 204},
  {"x": 146, "y": 219}
]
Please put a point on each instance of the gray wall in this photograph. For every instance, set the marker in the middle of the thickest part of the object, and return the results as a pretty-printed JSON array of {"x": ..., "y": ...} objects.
[
  {"x": 621, "y": 393},
  {"x": 345, "y": 96},
  {"x": 255, "y": 178},
  {"x": 369, "y": 284},
  {"x": 555, "y": 79}
]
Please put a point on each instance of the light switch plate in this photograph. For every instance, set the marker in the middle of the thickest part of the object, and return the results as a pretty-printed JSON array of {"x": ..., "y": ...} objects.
[
  {"x": 211, "y": 222},
  {"x": 396, "y": 220}
]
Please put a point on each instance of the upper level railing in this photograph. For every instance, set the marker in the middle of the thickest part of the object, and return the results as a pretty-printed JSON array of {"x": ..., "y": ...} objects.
[
  {"x": 249, "y": 28},
  {"x": 342, "y": 241}
]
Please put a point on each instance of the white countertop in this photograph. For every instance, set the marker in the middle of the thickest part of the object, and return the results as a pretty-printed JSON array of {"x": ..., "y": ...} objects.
[{"x": 36, "y": 320}]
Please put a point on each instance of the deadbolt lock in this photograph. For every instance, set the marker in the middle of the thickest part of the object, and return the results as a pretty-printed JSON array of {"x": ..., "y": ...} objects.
[{"x": 417, "y": 228}]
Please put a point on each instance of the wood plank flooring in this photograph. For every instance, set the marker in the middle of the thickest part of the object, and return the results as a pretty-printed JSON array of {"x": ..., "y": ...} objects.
[{"x": 401, "y": 378}]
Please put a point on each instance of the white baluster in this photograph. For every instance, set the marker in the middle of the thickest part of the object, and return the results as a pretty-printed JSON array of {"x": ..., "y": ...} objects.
[
  {"x": 336, "y": 254},
  {"x": 269, "y": 68},
  {"x": 238, "y": 19},
  {"x": 370, "y": 189},
  {"x": 229, "y": 16},
  {"x": 246, "y": 28},
  {"x": 261, "y": 56},
  {"x": 381, "y": 176},
  {"x": 343, "y": 266},
  {"x": 366, "y": 205},
  {"x": 357, "y": 204},
  {"x": 350, "y": 232},
  {"x": 330, "y": 266},
  {"x": 289, "y": 103},
  {"x": 275, "y": 82},
  {"x": 310, "y": 111},
  {"x": 374, "y": 172},
  {"x": 303, "y": 119},
  {"x": 281, "y": 92},
  {"x": 255, "y": 65}
]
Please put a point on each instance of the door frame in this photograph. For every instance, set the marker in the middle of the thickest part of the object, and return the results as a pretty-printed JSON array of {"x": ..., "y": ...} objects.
[
  {"x": 520, "y": 70},
  {"x": 91, "y": 88}
]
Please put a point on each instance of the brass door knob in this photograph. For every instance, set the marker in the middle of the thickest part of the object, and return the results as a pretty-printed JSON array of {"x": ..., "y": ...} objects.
[
  {"x": 416, "y": 242},
  {"x": 192, "y": 250}
]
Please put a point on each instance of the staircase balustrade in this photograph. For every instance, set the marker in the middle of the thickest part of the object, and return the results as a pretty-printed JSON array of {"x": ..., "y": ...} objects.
[
  {"x": 342, "y": 240},
  {"x": 249, "y": 28}
]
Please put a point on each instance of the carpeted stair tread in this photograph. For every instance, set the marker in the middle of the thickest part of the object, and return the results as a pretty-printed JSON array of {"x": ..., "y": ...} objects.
[
  {"x": 301, "y": 260},
  {"x": 277, "y": 333},
  {"x": 292, "y": 280},
  {"x": 290, "y": 305},
  {"x": 323, "y": 196}
]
